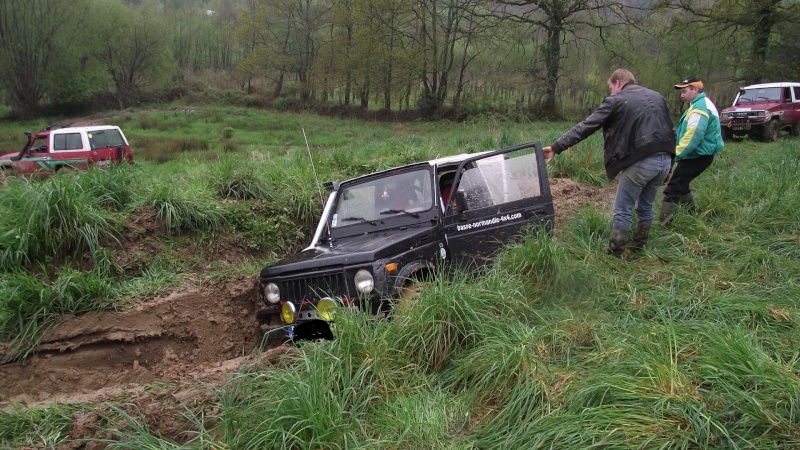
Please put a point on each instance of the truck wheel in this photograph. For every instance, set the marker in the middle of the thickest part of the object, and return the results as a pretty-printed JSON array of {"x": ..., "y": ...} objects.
[
  {"x": 727, "y": 134},
  {"x": 65, "y": 170},
  {"x": 771, "y": 131}
]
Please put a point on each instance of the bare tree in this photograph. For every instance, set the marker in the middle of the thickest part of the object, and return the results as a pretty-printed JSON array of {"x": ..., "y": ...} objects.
[
  {"x": 286, "y": 37},
  {"x": 557, "y": 18},
  {"x": 30, "y": 35},
  {"x": 445, "y": 30},
  {"x": 732, "y": 18},
  {"x": 133, "y": 45}
]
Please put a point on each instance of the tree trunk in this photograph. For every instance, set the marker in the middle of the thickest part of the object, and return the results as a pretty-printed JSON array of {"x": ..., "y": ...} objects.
[
  {"x": 552, "y": 61},
  {"x": 761, "y": 31}
]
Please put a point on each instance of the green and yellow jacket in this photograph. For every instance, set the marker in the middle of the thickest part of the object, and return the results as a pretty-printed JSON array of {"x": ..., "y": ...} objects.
[{"x": 699, "y": 130}]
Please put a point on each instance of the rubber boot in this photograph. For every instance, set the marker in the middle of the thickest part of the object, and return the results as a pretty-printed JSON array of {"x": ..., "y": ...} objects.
[
  {"x": 667, "y": 212},
  {"x": 618, "y": 241},
  {"x": 688, "y": 201},
  {"x": 640, "y": 237}
]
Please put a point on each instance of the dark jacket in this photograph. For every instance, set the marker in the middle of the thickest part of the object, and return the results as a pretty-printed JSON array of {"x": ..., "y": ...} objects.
[{"x": 636, "y": 123}]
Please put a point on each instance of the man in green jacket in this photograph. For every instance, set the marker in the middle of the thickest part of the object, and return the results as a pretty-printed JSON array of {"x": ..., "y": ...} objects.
[{"x": 699, "y": 139}]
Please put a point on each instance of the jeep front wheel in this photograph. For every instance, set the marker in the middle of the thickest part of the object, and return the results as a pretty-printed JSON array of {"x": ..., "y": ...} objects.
[
  {"x": 771, "y": 131},
  {"x": 407, "y": 296},
  {"x": 727, "y": 134}
]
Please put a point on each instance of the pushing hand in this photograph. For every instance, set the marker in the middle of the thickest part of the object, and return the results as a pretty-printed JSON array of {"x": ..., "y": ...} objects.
[{"x": 548, "y": 154}]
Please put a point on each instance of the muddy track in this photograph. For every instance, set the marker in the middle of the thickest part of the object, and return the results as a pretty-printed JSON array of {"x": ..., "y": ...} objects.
[{"x": 94, "y": 356}]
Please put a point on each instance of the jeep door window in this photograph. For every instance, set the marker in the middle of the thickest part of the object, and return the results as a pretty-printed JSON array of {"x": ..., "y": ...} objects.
[
  {"x": 397, "y": 194},
  {"x": 67, "y": 141},
  {"x": 496, "y": 180},
  {"x": 796, "y": 90},
  {"x": 39, "y": 145}
]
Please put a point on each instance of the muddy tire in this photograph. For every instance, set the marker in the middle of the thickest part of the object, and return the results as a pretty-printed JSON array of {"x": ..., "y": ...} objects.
[
  {"x": 771, "y": 131},
  {"x": 727, "y": 134},
  {"x": 407, "y": 296}
]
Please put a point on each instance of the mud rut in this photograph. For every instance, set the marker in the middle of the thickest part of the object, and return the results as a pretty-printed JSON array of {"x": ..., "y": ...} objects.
[{"x": 94, "y": 357}]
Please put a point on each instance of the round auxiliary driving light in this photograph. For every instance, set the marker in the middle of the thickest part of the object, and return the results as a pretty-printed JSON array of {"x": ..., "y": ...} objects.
[
  {"x": 326, "y": 308},
  {"x": 364, "y": 281},
  {"x": 288, "y": 312},
  {"x": 272, "y": 293}
]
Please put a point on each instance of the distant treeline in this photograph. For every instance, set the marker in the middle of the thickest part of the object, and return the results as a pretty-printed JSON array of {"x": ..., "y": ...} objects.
[{"x": 428, "y": 58}]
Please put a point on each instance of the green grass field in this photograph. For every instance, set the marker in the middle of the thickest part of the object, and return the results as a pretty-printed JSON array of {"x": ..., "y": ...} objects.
[{"x": 692, "y": 345}]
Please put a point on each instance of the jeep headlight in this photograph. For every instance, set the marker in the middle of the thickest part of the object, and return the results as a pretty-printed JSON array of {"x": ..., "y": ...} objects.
[
  {"x": 364, "y": 281},
  {"x": 326, "y": 308},
  {"x": 725, "y": 115},
  {"x": 762, "y": 114},
  {"x": 288, "y": 312},
  {"x": 272, "y": 293}
]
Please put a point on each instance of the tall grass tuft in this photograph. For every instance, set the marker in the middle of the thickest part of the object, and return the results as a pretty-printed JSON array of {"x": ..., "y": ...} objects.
[
  {"x": 58, "y": 218},
  {"x": 181, "y": 208},
  {"x": 239, "y": 180},
  {"x": 135, "y": 434},
  {"x": 545, "y": 267},
  {"x": 449, "y": 316},
  {"x": 32, "y": 304},
  {"x": 321, "y": 401},
  {"x": 754, "y": 394},
  {"x": 23, "y": 427},
  {"x": 113, "y": 188}
]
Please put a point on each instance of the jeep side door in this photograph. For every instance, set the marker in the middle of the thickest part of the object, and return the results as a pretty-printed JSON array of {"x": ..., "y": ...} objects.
[
  {"x": 793, "y": 108},
  {"x": 69, "y": 150},
  {"x": 36, "y": 160},
  {"x": 495, "y": 198}
]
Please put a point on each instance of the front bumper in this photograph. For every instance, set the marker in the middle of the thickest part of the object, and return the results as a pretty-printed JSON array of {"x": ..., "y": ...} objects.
[{"x": 744, "y": 123}]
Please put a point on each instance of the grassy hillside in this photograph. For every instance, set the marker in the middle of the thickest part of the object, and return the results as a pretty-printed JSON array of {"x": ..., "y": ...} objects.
[{"x": 693, "y": 345}]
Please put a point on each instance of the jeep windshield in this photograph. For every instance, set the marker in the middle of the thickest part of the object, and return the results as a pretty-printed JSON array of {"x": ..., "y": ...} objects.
[
  {"x": 377, "y": 201},
  {"x": 772, "y": 94}
]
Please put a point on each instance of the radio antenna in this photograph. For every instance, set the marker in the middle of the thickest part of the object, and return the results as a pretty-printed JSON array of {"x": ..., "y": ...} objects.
[{"x": 312, "y": 165}]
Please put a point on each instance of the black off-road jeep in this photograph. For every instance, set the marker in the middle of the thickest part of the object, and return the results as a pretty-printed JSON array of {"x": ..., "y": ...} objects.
[{"x": 380, "y": 233}]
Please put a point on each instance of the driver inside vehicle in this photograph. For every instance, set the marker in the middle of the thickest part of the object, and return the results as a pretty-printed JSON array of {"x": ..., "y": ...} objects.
[{"x": 395, "y": 198}]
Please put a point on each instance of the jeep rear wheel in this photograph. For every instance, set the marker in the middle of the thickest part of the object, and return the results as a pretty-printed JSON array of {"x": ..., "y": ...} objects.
[{"x": 771, "y": 131}]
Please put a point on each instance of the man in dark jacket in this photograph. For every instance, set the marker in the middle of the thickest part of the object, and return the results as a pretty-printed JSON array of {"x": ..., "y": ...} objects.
[{"x": 639, "y": 144}]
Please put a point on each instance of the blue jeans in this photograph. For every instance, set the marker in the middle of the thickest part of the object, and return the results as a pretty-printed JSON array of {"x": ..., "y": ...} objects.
[{"x": 637, "y": 189}]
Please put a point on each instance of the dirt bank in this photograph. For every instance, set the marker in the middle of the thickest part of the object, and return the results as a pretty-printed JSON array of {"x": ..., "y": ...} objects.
[{"x": 97, "y": 356}]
